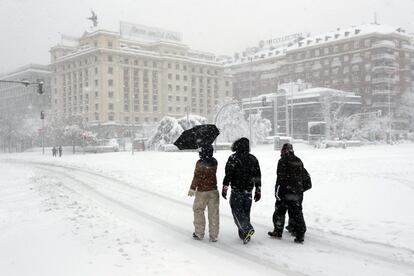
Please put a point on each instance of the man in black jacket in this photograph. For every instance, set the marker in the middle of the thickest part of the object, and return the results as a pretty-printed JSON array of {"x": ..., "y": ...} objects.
[
  {"x": 242, "y": 174},
  {"x": 289, "y": 194}
]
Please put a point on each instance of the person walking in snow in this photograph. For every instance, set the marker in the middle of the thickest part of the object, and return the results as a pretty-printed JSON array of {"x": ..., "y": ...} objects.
[
  {"x": 204, "y": 188},
  {"x": 60, "y": 151},
  {"x": 54, "y": 150},
  {"x": 242, "y": 174},
  {"x": 289, "y": 188}
]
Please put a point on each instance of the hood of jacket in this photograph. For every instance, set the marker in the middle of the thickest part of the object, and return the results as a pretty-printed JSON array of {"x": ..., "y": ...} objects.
[{"x": 241, "y": 145}]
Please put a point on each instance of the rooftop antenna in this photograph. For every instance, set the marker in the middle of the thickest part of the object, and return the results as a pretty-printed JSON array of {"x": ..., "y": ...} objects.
[{"x": 93, "y": 18}]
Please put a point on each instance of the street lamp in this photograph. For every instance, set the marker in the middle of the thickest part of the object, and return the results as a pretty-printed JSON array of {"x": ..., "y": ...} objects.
[{"x": 250, "y": 98}]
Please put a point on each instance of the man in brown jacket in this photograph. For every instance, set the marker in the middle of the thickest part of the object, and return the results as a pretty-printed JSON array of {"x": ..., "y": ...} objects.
[{"x": 204, "y": 187}]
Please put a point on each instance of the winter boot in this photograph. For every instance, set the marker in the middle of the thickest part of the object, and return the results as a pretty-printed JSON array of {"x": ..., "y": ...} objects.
[
  {"x": 213, "y": 239},
  {"x": 275, "y": 234},
  {"x": 196, "y": 237},
  {"x": 299, "y": 239},
  {"x": 248, "y": 236}
]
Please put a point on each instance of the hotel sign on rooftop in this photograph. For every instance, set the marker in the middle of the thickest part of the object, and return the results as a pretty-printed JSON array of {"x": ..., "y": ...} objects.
[{"x": 147, "y": 34}]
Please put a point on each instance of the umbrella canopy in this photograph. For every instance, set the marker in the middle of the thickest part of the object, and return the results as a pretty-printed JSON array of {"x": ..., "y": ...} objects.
[{"x": 197, "y": 137}]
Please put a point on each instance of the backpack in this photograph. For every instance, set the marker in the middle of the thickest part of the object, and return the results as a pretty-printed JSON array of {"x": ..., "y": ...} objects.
[{"x": 307, "y": 182}]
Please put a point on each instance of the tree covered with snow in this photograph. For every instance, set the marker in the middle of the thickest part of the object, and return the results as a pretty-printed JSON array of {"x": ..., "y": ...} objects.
[
  {"x": 371, "y": 128},
  {"x": 231, "y": 123},
  {"x": 332, "y": 108},
  {"x": 168, "y": 130},
  {"x": 191, "y": 121},
  {"x": 74, "y": 129},
  {"x": 406, "y": 109},
  {"x": 261, "y": 128}
]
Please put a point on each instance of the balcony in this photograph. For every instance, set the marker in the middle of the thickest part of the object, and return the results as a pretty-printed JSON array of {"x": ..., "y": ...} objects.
[
  {"x": 384, "y": 43},
  {"x": 383, "y": 92},
  {"x": 383, "y": 56},
  {"x": 383, "y": 80},
  {"x": 385, "y": 68},
  {"x": 383, "y": 105},
  {"x": 408, "y": 47}
]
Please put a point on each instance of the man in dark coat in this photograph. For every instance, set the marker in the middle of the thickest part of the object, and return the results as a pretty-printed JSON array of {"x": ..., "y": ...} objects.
[
  {"x": 242, "y": 174},
  {"x": 289, "y": 194}
]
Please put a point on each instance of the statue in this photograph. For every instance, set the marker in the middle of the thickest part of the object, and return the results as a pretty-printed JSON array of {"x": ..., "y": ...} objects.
[{"x": 93, "y": 18}]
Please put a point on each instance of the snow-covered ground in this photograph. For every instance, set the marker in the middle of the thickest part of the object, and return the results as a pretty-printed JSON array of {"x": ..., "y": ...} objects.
[{"x": 123, "y": 214}]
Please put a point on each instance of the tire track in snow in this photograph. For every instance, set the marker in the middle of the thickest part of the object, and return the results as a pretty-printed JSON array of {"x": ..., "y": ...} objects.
[
  {"x": 342, "y": 245},
  {"x": 172, "y": 227}
]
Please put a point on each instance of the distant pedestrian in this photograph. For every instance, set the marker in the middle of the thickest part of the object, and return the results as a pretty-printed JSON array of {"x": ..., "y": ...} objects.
[
  {"x": 292, "y": 180},
  {"x": 204, "y": 187},
  {"x": 54, "y": 150},
  {"x": 242, "y": 174},
  {"x": 60, "y": 151}
]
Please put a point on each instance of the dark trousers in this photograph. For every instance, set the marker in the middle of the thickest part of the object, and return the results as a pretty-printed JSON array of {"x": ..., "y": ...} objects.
[
  {"x": 241, "y": 203},
  {"x": 291, "y": 221},
  {"x": 293, "y": 204}
]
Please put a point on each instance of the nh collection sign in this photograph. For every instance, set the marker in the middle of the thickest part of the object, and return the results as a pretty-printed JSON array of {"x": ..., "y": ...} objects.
[
  {"x": 280, "y": 40},
  {"x": 145, "y": 33}
]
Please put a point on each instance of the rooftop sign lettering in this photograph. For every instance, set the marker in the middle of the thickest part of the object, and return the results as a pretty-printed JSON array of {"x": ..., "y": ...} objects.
[{"x": 145, "y": 33}]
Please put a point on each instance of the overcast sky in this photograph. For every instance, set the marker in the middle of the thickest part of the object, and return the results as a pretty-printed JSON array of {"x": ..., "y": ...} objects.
[{"x": 28, "y": 28}]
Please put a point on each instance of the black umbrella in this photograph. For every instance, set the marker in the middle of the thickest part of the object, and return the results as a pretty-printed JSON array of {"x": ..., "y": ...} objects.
[{"x": 197, "y": 137}]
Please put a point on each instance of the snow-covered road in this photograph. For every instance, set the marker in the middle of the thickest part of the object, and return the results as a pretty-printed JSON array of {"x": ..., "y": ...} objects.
[{"x": 102, "y": 223}]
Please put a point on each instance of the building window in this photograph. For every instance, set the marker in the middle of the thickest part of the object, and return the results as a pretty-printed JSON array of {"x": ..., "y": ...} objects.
[
  {"x": 110, "y": 82},
  {"x": 169, "y": 76},
  {"x": 177, "y": 77},
  {"x": 356, "y": 44},
  {"x": 110, "y": 44},
  {"x": 110, "y": 94},
  {"x": 111, "y": 106},
  {"x": 110, "y": 70},
  {"x": 110, "y": 59}
]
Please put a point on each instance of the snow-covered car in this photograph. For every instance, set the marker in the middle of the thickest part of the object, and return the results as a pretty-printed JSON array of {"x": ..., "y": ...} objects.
[{"x": 107, "y": 145}]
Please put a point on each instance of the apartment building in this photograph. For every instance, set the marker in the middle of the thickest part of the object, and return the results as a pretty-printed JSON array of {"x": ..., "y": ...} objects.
[{"x": 375, "y": 61}]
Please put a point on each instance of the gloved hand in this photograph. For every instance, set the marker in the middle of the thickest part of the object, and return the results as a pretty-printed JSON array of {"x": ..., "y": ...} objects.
[
  {"x": 191, "y": 192},
  {"x": 257, "y": 196},
  {"x": 224, "y": 192}
]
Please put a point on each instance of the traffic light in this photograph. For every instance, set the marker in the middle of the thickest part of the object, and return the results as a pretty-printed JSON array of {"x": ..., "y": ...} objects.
[
  {"x": 40, "y": 87},
  {"x": 42, "y": 115}
]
